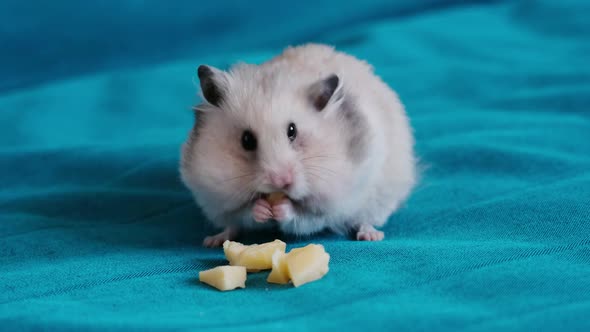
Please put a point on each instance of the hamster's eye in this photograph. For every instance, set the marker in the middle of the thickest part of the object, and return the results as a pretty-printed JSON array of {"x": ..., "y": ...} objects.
[
  {"x": 249, "y": 141},
  {"x": 292, "y": 132}
]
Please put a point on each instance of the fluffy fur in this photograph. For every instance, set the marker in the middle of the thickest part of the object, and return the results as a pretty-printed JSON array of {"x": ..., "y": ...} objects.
[{"x": 353, "y": 161}]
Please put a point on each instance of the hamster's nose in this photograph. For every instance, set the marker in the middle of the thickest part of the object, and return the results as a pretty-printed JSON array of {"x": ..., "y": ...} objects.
[{"x": 281, "y": 180}]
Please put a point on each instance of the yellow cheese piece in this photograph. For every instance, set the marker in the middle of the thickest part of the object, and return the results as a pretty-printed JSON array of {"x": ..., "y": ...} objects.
[
  {"x": 254, "y": 257},
  {"x": 225, "y": 277},
  {"x": 300, "y": 265},
  {"x": 307, "y": 264},
  {"x": 279, "y": 273},
  {"x": 232, "y": 251},
  {"x": 275, "y": 198}
]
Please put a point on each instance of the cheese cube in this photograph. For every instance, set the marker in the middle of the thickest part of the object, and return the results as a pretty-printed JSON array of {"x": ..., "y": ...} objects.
[
  {"x": 224, "y": 277},
  {"x": 232, "y": 251},
  {"x": 275, "y": 198},
  {"x": 307, "y": 264},
  {"x": 279, "y": 273},
  {"x": 254, "y": 257}
]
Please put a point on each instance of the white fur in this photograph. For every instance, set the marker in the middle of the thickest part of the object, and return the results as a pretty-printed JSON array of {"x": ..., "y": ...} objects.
[{"x": 265, "y": 98}]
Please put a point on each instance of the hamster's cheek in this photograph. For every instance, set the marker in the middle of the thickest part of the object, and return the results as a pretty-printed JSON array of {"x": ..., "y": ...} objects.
[
  {"x": 223, "y": 170},
  {"x": 300, "y": 189},
  {"x": 331, "y": 188}
]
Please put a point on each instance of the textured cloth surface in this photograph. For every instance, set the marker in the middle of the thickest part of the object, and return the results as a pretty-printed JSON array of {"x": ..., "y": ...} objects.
[{"x": 98, "y": 233}]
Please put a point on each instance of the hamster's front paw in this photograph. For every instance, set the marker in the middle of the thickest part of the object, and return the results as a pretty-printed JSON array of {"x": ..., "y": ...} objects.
[
  {"x": 283, "y": 210},
  {"x": 262, "y": 211}
]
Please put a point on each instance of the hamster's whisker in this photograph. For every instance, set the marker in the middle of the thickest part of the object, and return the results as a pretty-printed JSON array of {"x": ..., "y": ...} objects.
[
  {"x": 252, "y": 194},
  {"x": 325, "y": 156},
  {"x": 318, "y": 167},
  {"x": 244, "y": 189},
  {"x": 235, "y": 178},
  {"x": 323, "y": 175},
  {"x": 250, "y": 190},
  {"x": 317, "y": 176},
  {"x": 321, "y": 171},
  {"x": 240, "y": 195}
]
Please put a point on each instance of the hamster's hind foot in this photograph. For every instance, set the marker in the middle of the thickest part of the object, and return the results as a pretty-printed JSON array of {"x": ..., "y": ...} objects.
[
  {"x": 367, "y": 232},
  {"x": 229, "y": 233}
]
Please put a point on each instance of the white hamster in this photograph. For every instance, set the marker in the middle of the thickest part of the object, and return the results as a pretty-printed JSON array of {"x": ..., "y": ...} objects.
[{"x": 313, "y": 123}]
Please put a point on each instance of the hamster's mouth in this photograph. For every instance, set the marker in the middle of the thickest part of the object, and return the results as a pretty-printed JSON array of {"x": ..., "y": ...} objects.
[
  {"x": 266, "y": 195},
  {"x": 307, "y": 204}
]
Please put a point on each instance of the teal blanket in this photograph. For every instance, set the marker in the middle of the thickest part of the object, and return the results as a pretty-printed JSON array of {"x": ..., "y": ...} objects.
[{"x": 98, "y": 233}]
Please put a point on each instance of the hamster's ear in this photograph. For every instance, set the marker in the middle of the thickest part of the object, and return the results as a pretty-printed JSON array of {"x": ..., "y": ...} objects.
[
  {"x": 212, "y": 84},
  {"x": 325, "y": 91}
]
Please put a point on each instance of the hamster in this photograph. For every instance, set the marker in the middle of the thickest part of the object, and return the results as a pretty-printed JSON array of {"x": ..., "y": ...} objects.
[{"x": 312, "y": 123}]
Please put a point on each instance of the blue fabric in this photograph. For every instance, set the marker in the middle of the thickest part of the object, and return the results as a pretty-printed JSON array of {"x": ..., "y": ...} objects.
[{"x": 98, "y": 233}]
